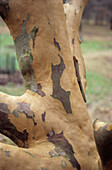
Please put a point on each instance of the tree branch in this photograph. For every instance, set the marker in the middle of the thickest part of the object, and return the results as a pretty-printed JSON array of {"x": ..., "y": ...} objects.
[
  {"x": 15, "y": 116},
  {"x": 73, "y": 13},
  {"x": 36, "y": 158},
  {"x": 85, "y": 2},
  {"x": 47, "y": 60},
  {"x": 103, "y": 139}
]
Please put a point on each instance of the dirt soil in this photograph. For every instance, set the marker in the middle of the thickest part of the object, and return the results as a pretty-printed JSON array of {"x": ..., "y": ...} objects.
[
  {"x": 99, "y": 62},
  {"x": 98, "y": 33}
]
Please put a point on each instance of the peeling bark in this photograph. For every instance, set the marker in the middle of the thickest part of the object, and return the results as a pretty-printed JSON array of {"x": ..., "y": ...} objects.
[
  {"x": 52, "y": 97},
  {"x": 58, "y": 92},
  {"x": 8, "y": 129},
  {"x": 25, "y": 57},
  {"x": 24, "y": 108},
  {"x": 62, "y": 148}
]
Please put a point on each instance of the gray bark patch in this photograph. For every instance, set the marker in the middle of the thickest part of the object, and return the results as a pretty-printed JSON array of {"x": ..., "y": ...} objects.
[
  {"x": 39, "y": 90},
  {"x": 73, "y": 41},
  {"x": 22, "y": 40},
  {"x": 43, "y": 168},
  {"x": 63, "y": 163},
  {"x": 25, "y": 57},
  {"x": 58, "y": 92},
  {"x": 24, "y": 108},
  {"x": 4, "y": 109},
  {"x": 63, "y": 148},
  {"x": 7, "y": 153}
]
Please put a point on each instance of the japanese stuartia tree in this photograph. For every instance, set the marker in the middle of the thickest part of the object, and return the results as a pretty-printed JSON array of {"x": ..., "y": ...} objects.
[{"x": 49, "y": 123}]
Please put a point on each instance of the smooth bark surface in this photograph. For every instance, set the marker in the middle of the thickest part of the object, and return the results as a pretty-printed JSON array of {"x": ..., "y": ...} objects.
[
  {"x": 73, "y": 14},
  {"x": 50, "y": 121}
]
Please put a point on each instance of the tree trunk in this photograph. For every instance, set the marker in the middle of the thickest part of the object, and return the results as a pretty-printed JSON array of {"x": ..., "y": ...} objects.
[
  {"x": 73, "y": 13},
  {"x": 49, "y": 123}
]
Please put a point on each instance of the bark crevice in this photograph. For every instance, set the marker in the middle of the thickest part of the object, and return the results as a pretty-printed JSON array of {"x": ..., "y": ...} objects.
[{"x": 76, "y": 65}]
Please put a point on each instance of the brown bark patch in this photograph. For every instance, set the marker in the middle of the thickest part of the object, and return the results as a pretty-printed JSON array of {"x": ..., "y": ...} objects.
[
  {"x": 73, "y": 41},
  {"x": 39, "y": 90},
  {"x": 24, "y": 108},
  {"x": 62, "y": 148},
  {"x": 58, "y": 92},
  {"x": 43, "y": 116},
  {"x": 4, "y": 8}
]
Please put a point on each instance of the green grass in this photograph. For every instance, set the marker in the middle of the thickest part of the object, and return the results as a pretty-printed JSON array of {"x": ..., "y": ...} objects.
[
  {"x": 7, "y": 49},
  {"x": 97, "y": 86},
  {"x": 12, "y": 89},
  {"x": 6, "y": 40},
  {"x": 94, "y": 46}
]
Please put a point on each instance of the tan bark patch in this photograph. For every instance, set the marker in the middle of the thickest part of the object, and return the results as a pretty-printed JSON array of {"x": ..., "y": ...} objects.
[
  {"x": 98, "y": 124},
  {"x": 109, "y": 127}
]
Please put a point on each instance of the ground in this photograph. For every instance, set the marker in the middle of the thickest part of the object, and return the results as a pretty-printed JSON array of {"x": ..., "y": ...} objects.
[{"x": 98, "y": 60}]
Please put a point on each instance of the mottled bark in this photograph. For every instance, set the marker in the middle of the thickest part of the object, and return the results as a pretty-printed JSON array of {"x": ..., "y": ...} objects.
[
  {"x": 103, "y": 139},
  {"x": 9, "y": 129},
  {"x": 73, "y": 14},
  {"x": 50, "y": 121}
]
